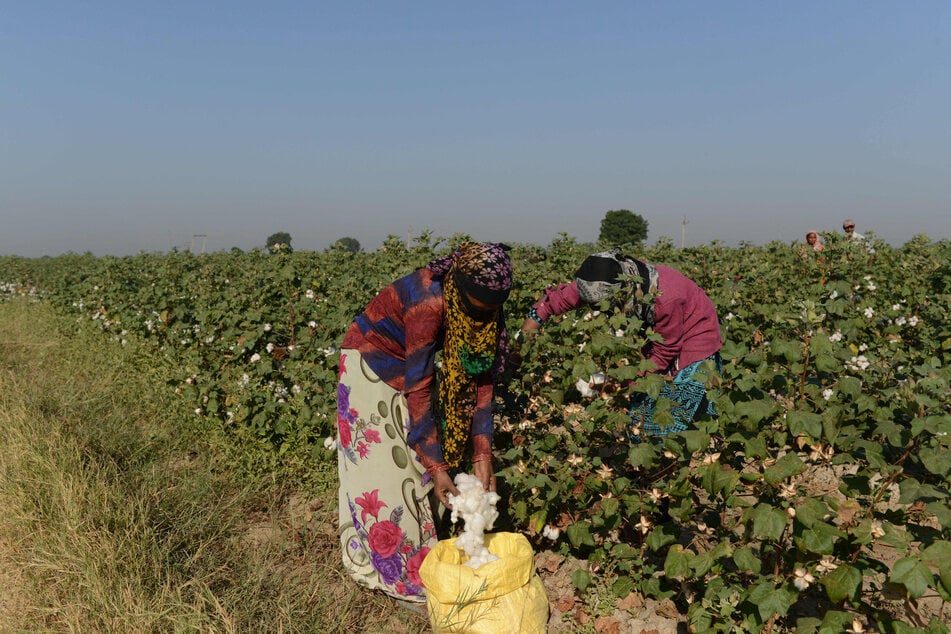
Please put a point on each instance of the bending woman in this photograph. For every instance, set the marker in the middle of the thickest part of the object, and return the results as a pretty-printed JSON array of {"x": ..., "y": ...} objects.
[
  {"x": 674, "y": 306},
  {"x": 399, "y": 442}
]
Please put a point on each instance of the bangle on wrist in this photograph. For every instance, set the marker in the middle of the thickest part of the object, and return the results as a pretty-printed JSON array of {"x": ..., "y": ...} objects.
[
  {"x": 482, "y": 457},
  {"x": 533, "y": 315},
  {"x": 437, "y": 468}
]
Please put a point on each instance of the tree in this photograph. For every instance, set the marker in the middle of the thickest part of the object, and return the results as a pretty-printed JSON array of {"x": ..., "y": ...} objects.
[
  {"x": 280, "y": 241},
  {"x": 621, "y": 226},
  {"x": 348, "y": 244}
]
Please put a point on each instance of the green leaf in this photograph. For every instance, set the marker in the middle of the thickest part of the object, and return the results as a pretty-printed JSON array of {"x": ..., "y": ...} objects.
[
  {"x": 807, "y": 424},
  {"x": 623, "y": 550},
  {"x": 580, "y": 534},
  {"x": 537, "y": 521},
  {"x": 622, "y": 587},
  {"x": 661, "y": 537},
  {"x": 913, "y": 574},
  {"x": 677, "y": 562},
  {"x": 770, "y": 601},
  {"x": 582, "y": 579},
  {"x": 811, "y": 510},
  {"x": 937, "y": 460},
  {"x": 718, "y": 479},
  {"x": 938, "y": 554},
  {"x": 835, "y": 622},
  {"x": 696, "y": 440},
  {"x": 845, "y": 582},
  {"x": 851, "y": 386},
  {"x": 747, "y": 560},
  {"x": 786, "y": 467},
  {"x": 643, "y": 455},
  {"x": 768, "y": 522},
  {"x": 942, "y": 512},
  {"x": 819, "y": 539}
]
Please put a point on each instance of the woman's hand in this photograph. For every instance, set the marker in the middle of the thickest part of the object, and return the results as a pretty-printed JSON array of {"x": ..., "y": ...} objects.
[
  {"x": 485, "y": 474},
  {"x": 443, "y": 487}
]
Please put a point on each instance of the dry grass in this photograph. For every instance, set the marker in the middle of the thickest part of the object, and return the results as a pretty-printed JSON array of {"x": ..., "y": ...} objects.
[{"x": 117, "y": 515}]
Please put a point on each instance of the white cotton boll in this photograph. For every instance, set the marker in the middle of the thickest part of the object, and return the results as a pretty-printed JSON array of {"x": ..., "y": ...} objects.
[
  {"x": 585, "y": 389},
  {"x": 476, "y": 507}
]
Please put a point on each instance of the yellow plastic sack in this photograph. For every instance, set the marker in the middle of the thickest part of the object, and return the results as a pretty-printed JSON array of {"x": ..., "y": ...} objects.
[{"x": 499, "y": 597}]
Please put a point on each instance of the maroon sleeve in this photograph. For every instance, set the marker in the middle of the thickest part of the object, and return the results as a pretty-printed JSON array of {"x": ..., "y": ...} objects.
[{"x": 558, "y": 300}]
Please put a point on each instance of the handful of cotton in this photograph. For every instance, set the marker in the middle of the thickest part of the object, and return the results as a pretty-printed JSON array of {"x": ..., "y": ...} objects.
[{"x": 476, "y": 506}]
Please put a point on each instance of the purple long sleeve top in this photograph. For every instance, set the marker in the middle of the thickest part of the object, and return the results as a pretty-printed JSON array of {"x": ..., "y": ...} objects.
[{"x": 685, "y": 317}]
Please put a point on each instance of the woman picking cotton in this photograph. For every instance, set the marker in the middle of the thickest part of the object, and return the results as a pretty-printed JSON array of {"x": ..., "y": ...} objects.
[
  {"x": 669, "y": 303},
  {"x": 407, "y": 424}
]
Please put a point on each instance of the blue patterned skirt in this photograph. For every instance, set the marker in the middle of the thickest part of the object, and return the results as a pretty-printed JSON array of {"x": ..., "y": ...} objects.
[{"x": 689, "y": 396}]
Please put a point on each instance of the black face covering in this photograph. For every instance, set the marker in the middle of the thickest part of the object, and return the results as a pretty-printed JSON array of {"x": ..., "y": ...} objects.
[
  {"x": 472, "y": 311},
  {"x": 468, "y": 290}
]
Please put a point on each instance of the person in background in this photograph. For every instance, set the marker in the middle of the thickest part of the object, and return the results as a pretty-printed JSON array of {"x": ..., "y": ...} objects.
[
  {"x": 666, "y": 301},
  {"x": 848, "y": 226},
  {"x": 813, "y": 240},
  {"x": 405, "y": 423},
  {"x": 853, "y": 236}
]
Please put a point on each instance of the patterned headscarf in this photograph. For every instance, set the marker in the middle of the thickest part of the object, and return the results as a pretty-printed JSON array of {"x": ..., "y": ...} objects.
[
  {"x": 599, "y": 278},
  {"x": 473, "y": 346}
]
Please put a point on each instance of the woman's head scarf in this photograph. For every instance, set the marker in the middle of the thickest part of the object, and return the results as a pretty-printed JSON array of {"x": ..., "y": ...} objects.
[
  {"x": 475, "y": 342},
  {"x": 603, "y": 274}
]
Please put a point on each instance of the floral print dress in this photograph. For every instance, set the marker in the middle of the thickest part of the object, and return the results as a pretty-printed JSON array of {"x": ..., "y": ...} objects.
[{"x": 386, "y": 517}]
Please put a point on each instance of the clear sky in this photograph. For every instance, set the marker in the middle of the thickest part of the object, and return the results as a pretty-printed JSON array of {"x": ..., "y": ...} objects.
[{"x": 133, "y": 126}]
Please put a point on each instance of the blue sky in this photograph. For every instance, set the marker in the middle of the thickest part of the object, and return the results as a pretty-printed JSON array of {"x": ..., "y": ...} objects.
[{"x": 132, "y": 126}]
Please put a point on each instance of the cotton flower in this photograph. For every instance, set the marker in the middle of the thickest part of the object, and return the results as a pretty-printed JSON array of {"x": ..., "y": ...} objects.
[
  {"x": 877, "y": 530},
  {"x": 711, "y": 458},
  {"x": 913, "y": 320},
  {"x": 826, "y": 565},
  {"x": 656, "y": 495},
  {"x": 869, "y": 312},
  {"x": 900, "y": 320},
  {"x": 329, "y": 443},
  {"x": 605, "y": 472},
  {"x": 802, "y": 579},
  {"x": 821, "y": 452},
  {"x": 255, "y": 357},
  {"x": 574, "y": 460},
  {"x": 311, "y": 324},
  {"x": 269, "y": 347},
  {"x": 827, "y": 393},
  {"x": 787, "y": 491},
  {"x": 551, "y": 533},
  {"x": 644, "y": 525},
  {"x": 729, "y": 317},
  {"x": 835, "y": 337},
  {"x": 896, "y": 307},
  {"x": 857, "y": 627},
  {"x": 870, "y": 286},
  {"x": 834, "y": 294},
  {"x": 309, "y": 294},
  {"x": 267, "y": 327}
]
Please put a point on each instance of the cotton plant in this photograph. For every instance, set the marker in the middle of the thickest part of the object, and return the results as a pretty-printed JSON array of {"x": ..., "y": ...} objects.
[{"x": 477, "y": 508}]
